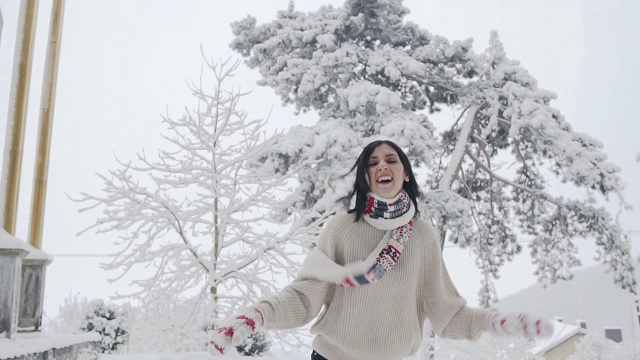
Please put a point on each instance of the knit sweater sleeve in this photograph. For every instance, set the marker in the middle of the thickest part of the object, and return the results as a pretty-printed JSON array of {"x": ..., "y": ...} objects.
[
  {"x": 446, "y": 309},
  {"x": 301, "y": 301}
]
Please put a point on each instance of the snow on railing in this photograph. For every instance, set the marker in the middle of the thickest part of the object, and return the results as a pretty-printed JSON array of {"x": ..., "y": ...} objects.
[{"x": 28, "y": 344}]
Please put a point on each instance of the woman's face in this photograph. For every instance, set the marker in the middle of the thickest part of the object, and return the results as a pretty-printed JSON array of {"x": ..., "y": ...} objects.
[{"x": 385, "y": 173}]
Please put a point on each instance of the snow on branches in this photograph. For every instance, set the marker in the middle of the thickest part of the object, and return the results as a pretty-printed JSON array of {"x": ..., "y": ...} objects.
[
  {"x": 198, "y": 213},
  {"x": 368, "y": 74}
]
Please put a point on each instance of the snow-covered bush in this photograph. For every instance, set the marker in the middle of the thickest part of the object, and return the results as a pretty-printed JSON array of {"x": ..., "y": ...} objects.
[
  {"x": 108, "y": 320},
  {"x": 254, "y": 345}
]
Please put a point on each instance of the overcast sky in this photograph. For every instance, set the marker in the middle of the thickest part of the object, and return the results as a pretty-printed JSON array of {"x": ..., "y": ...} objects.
[{"x": 125, "y": 62}]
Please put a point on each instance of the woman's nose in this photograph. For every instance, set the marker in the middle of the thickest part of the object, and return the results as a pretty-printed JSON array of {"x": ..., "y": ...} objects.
[{"x": 383, "y": 166}]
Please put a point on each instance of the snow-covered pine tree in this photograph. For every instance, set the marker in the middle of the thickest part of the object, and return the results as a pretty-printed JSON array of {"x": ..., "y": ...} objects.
[
  {"x": 110, "y": 321},
  {"x": 368, "y": 73},
  {"x": 198, "y": 215}
]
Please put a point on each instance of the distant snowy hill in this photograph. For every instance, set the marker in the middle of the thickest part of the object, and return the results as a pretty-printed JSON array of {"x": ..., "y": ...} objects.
[{"x": 590, "y": 296}]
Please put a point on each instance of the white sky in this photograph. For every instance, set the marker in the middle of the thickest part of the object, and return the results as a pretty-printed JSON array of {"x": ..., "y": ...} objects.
[{"x": 124, "y": 62}]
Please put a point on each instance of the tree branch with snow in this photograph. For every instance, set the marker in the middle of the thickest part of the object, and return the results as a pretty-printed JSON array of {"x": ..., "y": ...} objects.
[
  {"x": 196, "y": 217},
  {"x": 492, "y": 172}
]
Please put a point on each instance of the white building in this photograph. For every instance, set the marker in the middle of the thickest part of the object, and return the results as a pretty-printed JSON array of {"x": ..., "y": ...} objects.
[{"x": 590, "y": 300}]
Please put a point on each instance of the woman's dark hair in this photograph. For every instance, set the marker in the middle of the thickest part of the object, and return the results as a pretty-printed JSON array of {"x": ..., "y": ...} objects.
[{"x": 361, "y": 188}]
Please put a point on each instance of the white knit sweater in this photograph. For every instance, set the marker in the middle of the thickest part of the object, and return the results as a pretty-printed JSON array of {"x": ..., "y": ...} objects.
[{"x": 380, "y": 321}]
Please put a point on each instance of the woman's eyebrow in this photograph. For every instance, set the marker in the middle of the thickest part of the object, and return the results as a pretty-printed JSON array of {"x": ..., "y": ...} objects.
[{"x": 388, "y": 155}]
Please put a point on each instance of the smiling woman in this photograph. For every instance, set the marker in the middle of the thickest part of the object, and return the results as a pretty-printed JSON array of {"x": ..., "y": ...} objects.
[
  {"x": 124, "y": 62},
  {"x": 389, "y": 167},
  {"x": 376, "y": 275},
  {"x": 386, "y": 170}
]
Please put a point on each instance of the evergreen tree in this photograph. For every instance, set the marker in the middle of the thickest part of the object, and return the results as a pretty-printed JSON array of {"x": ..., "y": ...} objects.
[
  {"x": 254, "y": 345},
  {"x": 368, "y": 73},
  {"x": 108, "y": 320}
]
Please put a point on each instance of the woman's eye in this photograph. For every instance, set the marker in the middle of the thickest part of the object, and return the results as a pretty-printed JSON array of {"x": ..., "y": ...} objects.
[{"x": 372, "y": 164}]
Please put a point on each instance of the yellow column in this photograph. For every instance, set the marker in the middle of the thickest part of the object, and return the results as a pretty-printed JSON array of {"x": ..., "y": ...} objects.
[
  {"x": 23, "y": 59},
  {"x": 46, "y": 120},
  {"x": 1, "y": 26}
]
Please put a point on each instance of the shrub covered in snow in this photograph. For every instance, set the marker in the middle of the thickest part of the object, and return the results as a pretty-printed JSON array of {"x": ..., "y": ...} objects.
[
  {"x": 254, "y": 345},
  {"x": 108, "y": 320}
]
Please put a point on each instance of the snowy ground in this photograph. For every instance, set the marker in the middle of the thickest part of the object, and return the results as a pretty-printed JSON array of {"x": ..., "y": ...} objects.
[
  {"x": 205, "y": 356},
  {"x": 27, "y": 343},
  {"x": 198, "y": 356}
]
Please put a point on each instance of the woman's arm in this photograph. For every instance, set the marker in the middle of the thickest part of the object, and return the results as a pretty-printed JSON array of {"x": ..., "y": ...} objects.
[
  {"x": 452, "y": 318},
  {"x": 446, "y": 309},
  {"x": 302, "y": 300},
  {"x": 295, "y": 305}
]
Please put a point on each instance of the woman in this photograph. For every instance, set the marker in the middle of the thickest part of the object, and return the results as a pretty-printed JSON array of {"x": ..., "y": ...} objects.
[{"x": 376, "y": 275}]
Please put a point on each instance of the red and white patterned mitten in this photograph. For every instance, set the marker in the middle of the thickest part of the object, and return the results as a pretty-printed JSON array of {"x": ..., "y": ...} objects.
[
  {"x": 244, "y": 325},
  {"x": 514, "y": 324}
]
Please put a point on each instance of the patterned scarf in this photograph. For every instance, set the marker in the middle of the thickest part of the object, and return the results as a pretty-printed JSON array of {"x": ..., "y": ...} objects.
[{"x": 395, "y": 216}]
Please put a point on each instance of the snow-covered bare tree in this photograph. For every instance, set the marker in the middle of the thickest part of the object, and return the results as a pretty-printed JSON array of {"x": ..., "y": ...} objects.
[
  {"x": 368, "y": 73},
  {"x": 198, "y": 214}
]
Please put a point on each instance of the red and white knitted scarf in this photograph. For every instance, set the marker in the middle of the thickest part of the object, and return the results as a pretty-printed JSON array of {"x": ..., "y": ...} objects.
[{"x": 395, "y": 216}]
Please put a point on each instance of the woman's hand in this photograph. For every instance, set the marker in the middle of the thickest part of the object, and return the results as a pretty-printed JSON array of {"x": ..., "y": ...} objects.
[
  {"x": 520, "y": 324},
  {"x": 234, "y": 332}
]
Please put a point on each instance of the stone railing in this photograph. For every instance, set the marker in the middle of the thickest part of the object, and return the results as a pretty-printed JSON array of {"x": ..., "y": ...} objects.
[
  {"x": 22, "y": 275},
  {"x": 40, "y": 346},
  {"x": 12, "y": 252}
]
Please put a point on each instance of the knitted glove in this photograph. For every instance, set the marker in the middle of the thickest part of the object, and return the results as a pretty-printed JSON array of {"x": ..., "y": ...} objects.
[
  {"x": 235, "y": 331},
  {"x": 520, "y": 324}
]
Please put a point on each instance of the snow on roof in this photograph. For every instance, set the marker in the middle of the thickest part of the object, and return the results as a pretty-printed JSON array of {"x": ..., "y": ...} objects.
[
  {"x": 8, "y": 241},
  {"x": 37, "y": 254},
  {"x": 561, "y": 333}
]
